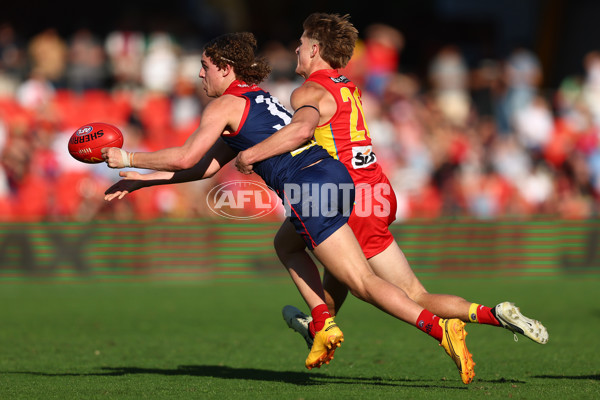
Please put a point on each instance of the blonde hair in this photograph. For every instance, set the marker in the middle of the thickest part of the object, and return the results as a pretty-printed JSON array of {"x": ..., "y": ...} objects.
[{"x": 336, "y": 36}]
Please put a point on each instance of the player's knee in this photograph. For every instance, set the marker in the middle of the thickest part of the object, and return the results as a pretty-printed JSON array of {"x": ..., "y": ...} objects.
[
  {"x": 361, "y": 288},
  {"x": 360, "y": 293},
  {"x": 417, "y": 294}
]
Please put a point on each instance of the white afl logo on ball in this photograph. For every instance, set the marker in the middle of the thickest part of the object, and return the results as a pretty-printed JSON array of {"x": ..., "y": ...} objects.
[{"x": 84, "y": 130}]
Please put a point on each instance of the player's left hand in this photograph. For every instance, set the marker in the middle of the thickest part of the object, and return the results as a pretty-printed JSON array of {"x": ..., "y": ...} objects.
[
  {"x": 242, "y": 165},
  {"x": 115, "y": 157},
  {"x": 132, "y": 181}
]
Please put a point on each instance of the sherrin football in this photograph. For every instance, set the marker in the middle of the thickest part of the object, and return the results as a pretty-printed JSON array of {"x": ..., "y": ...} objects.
[{"x": 86, "y": 143}]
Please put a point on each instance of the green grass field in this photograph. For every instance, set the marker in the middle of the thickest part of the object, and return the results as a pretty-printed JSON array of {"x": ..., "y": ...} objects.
[{"x": 228, "y": 341}]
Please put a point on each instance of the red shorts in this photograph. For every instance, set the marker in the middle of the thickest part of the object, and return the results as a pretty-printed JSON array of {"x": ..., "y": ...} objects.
[{"x": 374, "y": 211}]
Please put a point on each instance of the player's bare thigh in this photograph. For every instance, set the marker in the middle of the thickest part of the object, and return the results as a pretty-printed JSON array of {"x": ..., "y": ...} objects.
[
  {"x": 342, "y": 256},
  {"x": 287, "y": 240},
  {"x": 392, "y": 266}
]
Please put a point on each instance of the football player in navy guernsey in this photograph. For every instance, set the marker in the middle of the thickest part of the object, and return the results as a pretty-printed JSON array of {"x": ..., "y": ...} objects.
[
  {"x": 242, "y": 115},
  {"x": 327, "y": 45}
]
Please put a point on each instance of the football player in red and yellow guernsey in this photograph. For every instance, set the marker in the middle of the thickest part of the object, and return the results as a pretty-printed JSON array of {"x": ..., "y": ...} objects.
[
  {"x": 339, "y": 125},
  {"x": 242, "y": 115}
]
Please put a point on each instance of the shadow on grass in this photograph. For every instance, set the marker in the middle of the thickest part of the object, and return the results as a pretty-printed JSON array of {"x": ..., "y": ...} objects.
[
  {"x": 224, "y": 372},
  {"x": 499, "y": 380},
  {"x": 585, "y": 377}
]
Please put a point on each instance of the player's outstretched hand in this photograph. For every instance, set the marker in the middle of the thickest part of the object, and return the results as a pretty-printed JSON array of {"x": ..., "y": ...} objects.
[{"x": 132, "y": 181}]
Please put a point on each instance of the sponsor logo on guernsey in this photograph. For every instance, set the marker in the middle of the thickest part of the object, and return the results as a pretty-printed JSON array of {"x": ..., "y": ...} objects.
[
  {"x": 363, "y": 156},
  {"x": 340, "y": 79}
]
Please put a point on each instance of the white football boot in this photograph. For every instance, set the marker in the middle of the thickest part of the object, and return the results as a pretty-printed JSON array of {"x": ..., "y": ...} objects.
[
  {"x": 511, "y": 318},
  {"x": 298, "y": 321}
]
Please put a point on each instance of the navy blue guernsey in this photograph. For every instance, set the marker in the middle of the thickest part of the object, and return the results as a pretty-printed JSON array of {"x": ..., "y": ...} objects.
[{"x": 263, "y": 116}]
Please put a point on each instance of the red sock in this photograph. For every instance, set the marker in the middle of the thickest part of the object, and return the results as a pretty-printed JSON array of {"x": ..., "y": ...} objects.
[
  {"x": 484, "y": 315},
  {"x": 429, "y": 323},
  {"x": 311, "y": 329},
  {"x": 319, "y": 314}
]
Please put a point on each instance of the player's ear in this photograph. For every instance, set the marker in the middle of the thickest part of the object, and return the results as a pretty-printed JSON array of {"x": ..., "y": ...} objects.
[{"x": 314, "y": 49}]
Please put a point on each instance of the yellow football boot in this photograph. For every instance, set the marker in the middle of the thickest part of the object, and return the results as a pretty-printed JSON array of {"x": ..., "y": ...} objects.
[
  {"x": 453, "y": 341},
  {"x": 326, "y": 341}
]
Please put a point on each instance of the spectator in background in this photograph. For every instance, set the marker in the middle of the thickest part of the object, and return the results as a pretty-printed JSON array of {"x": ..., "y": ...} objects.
[
  {"x": 5, "y": 192},
  {"x": 590, "y": 90},
  {"x": 87, "y": 62},
  {"x": 575, "y": 198},
  {"x": 36, "y": 92},
  {"x": 383, "y": 45},
  {"x": 411, "y": 165},
  {"x": 48, "y": 53},
  {"x": 28, "y": 192},
  {"x": 591, "y": 98},
  {"x": 537, "y": 188},
  {"x": 159, "y": 66},
  {"x": 485, "y": 86},
  {"x": 186, "y": 106},
  {"x": 594, "y": 162},
  {"x": 534, "y": 124},
  {"x": 449, "y": 77},
  {"x": 13, "y": 62},
  {"x": 283, "y": 80},
  {"x": 522, "y": 76},
  {"x": 482, "y": 192},
  {"x": 125, "y": 50},
  {"x": 510, "y": 159}
]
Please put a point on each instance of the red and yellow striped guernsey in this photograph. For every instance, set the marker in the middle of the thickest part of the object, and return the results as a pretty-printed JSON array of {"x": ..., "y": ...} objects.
[{"x": 348, "y": 122}]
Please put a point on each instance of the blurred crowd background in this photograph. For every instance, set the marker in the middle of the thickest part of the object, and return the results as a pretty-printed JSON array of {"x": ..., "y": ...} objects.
[{"x": 459, "y": 133}]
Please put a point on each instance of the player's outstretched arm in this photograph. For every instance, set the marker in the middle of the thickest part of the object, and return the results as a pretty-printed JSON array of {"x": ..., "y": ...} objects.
[
  {"x": 219, "y": 155},
  {"x": 216, "y": 119}
]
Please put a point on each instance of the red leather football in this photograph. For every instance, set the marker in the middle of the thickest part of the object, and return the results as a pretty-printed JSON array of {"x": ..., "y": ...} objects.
[{"x": 86, "y": 143}]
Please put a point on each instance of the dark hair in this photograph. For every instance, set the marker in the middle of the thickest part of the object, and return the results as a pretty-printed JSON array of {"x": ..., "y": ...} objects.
[
  {"x": 336, "y": 36},
  {"x": 237, "y": 50}
]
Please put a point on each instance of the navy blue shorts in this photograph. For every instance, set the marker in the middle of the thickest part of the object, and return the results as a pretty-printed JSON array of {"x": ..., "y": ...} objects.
[{"x": 319, "y": 200}]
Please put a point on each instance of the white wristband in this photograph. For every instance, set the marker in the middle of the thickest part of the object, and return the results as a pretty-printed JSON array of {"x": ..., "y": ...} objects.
[{"x": 125, "y": 158}]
